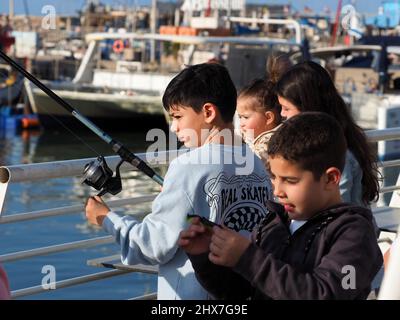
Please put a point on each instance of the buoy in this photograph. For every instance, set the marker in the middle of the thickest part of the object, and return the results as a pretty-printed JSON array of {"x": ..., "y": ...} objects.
[{"x": 118, "y": 46}]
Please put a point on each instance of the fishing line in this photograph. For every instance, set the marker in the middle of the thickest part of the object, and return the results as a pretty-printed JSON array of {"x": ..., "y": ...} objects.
[
  {"x": 71, "y": 132},
  {"x": 59, "y": 121},
  {"x": 119, "y": 148}
]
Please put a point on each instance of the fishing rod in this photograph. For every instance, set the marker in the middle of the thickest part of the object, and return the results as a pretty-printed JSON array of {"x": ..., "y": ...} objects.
[{"x": 96, "y": 173}]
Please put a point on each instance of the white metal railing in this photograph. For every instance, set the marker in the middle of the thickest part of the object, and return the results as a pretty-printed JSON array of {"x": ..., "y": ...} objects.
[
  {"x": 288, "y": 22},
  {"x": 81, "y": 244},
  {"x": 70, "y": 168},
  {"x": 195, "y": 40},
  {"x": 70, "y": 209},
  {"x": 73, "y": 168},
  {"x": 63, "y": 169},
  {"x": 386, "y": 135},
  {"x": 383, "y": 134},
  {"x": 67, "y": 283}
]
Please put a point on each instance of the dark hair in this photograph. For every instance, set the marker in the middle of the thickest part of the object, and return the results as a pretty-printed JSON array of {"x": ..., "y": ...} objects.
[
  {"x": 199, "y": 84},
  {"x": 310, "y": 88},
  {"x": 312, "y": 140},
  {"x": 277, "y": 65},
  {"x": 263, "y": 90}
]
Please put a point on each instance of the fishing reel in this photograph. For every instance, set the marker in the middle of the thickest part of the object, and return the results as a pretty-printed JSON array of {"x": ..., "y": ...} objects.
[{"x": 98, "y": 175}]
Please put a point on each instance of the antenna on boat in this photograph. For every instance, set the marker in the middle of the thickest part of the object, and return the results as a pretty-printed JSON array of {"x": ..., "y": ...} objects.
[
  {"x": 336, "y": 25},
  {"x": 119, "y": 148},
  {"x": 383, "y": 67}
]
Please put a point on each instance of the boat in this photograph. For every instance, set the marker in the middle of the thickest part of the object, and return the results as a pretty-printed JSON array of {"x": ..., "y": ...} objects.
[
  {"x": 367, "y": 75},
  {"x": 106, "y": 109},
  {"x": 11, "y": 85},
  {"x": 103, "y": 91},
  {"x": 127, "y": 89}
]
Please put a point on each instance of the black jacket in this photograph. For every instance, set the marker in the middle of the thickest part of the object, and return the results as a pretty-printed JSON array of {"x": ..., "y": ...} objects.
[{"x": 334, "y": 255}]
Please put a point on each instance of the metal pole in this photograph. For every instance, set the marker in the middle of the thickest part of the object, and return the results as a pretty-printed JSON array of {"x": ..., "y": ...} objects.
[
  {"x": 68, "y": 283},
  {"x": 81, "y": 244},
  {"x": 153, "y": 26},
  {"x": 229, "y": 13},
  {"x": 12, "y": 218},
  {"x": 11, "y": 11},
  {"x": 254, "y": 20},
  {"x": 336, "y": 25}
]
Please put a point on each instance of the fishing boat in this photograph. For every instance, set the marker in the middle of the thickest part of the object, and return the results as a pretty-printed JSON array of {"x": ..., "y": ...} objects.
[
  {"x": 105, "y": 91},
  {"x": 127, "y": 89}
]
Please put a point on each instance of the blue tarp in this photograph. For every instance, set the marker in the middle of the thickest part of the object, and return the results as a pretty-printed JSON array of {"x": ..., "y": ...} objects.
[
  {"x": 243, "y": 30},
  {"x": 389, "y": 18}
]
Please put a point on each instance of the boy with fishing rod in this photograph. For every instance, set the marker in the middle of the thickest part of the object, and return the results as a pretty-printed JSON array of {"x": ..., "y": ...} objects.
[{"x": 219, "y": 178}]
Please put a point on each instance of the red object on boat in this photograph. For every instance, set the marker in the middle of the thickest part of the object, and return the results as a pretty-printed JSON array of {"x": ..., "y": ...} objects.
[
  {"x": 27, "y": 123},
  {"x": 118, "y": 46},
  {"x": 6, "y": 42},
  {"x": 336, "y": 25}
]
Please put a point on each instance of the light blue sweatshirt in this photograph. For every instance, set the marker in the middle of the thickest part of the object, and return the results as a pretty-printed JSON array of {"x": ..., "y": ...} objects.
[
  {"x": 351, "y": 185},
  {"x": 226, "y": 184},
  {"x": 350, "y": 182}
]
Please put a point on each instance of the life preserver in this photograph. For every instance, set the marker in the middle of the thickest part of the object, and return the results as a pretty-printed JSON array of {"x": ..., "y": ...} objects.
[{"x": 118, "y": 46}]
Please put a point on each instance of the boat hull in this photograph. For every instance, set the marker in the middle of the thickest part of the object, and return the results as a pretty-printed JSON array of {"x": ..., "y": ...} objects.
[{"x": 106, "y": 110}]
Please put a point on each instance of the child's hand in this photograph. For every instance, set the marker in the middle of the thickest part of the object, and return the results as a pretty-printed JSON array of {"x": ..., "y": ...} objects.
[
  {"x": 196, "y": 239},
  {"x": 96, "y": 210},
  {"x": 227, "y": 246}
]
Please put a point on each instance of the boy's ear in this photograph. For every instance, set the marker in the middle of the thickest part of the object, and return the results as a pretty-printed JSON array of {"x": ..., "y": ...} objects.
[
  {"x": 333, "y": 176},
  {"x": 210, "y": 112}
]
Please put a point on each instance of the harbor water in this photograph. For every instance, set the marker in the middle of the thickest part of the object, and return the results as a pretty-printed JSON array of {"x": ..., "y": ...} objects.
[{"x": 33, "y": 147}]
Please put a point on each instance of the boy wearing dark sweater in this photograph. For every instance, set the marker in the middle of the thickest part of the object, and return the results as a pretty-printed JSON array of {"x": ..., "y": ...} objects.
[{"x": 311, "y": 245}]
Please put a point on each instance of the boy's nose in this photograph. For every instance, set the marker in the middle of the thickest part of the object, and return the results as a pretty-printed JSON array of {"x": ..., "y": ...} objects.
[
  {"x": 174, "y": 127},
  {"x": 278, "y": 191}
]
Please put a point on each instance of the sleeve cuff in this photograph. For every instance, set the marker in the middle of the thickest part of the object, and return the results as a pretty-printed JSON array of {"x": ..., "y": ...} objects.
[{"x": 110, "y": 221}]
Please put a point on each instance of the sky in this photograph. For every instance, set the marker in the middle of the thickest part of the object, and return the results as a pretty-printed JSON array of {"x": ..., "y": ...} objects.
[{"x": 70, "y": 6}]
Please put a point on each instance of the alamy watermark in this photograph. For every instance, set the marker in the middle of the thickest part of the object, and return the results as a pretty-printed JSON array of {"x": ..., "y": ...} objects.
[
  {"x": 241, "y": 158},
  {"x": 49, "y": 20},
  {"x": 49, "y": 280},
  {"x": 349, "y": 280},
  {"x": 351, "y": 21}
]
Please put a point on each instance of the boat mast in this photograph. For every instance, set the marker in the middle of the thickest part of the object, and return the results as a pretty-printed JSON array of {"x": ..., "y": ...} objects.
[
  {"x": 11, "y": 12},
  {"x": 153, "y": 26},
  {"x": 336, "y": 26},
  {"x": 11, "y": 9}
]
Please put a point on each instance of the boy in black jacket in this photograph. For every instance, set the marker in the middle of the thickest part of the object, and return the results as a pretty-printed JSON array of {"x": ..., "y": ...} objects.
[{"x": 311, "y": 245}]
